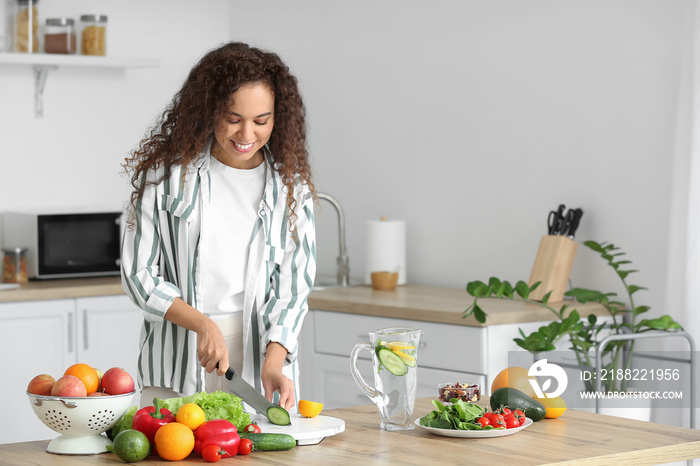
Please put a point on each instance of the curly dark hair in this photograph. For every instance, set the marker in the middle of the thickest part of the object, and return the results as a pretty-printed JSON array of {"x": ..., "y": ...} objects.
[{"x": 188, "y": 122}]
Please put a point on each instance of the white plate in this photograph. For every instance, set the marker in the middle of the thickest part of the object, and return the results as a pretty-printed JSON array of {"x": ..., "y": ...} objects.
[
  {"x": 475, "y": 433},
  {"x": 306, "y": 431}
]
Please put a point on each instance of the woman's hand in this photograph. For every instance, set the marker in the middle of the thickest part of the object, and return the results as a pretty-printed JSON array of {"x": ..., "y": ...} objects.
[
  {"x": 273, "y": 379},
  {"x": 211, "y": 347}
]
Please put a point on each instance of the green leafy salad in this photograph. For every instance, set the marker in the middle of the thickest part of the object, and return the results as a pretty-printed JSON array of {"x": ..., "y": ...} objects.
[
  {"x": 216, "y": 405},
  {"x": 461, "y": 416}
]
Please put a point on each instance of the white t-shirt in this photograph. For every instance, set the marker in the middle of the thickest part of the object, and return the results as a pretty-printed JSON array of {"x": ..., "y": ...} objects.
[{"x": 233, "y": 211}]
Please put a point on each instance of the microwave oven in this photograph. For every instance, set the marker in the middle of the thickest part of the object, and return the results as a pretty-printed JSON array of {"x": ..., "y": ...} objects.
[{"x": 66, "y": 245}]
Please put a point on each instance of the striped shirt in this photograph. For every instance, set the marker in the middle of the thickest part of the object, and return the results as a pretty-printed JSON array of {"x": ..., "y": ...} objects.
[{"x": 161, "y": 262}]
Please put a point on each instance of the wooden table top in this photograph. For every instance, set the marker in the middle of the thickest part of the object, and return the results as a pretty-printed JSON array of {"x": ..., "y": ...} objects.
[{"x": 574, "y": 438}]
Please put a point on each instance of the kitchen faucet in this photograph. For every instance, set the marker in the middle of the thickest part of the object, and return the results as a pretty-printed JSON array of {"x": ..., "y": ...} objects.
[{"x": 343, "y": 262}]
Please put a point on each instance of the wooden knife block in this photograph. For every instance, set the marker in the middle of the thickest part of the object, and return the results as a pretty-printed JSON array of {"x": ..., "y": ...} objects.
[{"x": 552, "y": 267}]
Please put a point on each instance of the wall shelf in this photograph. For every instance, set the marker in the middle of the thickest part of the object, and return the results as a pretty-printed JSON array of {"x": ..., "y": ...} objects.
[{"x": 42, "y": 63}]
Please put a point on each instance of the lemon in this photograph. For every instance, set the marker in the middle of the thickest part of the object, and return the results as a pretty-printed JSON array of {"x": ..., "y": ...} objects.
[
  {"x": 399, "y": 345},
  {"x": 555, "y": 406},
  {"x": 310, "y": 408},
  {"x": 191, "y": 414},
  {"x": 131, "y": 446}
]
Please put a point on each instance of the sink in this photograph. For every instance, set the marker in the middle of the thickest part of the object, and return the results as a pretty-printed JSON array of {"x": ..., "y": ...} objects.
[{"x": 325, "y": 283}]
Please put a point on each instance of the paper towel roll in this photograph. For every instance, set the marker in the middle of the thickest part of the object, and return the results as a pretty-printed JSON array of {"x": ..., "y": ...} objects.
[{"x": 386, "y": 248}]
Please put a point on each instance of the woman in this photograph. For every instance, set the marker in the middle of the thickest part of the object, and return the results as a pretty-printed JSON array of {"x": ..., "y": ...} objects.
[{"x": 220, "y": 248}]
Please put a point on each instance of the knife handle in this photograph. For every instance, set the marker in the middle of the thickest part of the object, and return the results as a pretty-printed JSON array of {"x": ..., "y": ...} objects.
[{"x": 229, "y": 372}]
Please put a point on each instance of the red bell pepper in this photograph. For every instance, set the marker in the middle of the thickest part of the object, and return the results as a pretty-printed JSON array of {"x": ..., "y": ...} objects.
[
  {"x": 147, "y": 421},
  {"x": 219, "y": 432}
]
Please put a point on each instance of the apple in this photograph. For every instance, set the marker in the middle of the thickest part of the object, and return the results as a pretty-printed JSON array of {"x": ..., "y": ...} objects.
[
  {"x": 98, "y": 394},
  {"x": 41, "y": 385},
  {"x": 68, "y": 386},
  {"x": 117, "y": 381}
]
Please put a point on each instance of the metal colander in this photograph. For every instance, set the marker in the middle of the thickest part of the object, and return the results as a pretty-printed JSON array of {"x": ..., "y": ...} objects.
[{"x": 80, "y": 420}]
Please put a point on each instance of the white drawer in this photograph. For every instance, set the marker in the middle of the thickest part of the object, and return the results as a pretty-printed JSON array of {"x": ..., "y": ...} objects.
[{"x": 442, "y": 346}]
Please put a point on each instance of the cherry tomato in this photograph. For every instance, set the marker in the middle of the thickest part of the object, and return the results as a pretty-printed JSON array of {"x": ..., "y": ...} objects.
[
  {"x": 505, "y": 410},
  {"x": 483, "y": 421},
  {"x": 245, "y": 447},
  {"x": 212, "y": 453},
  {"x": 253, "y": 428},
  {"x": 511, "y": 421},
  {"x": 520, "y": 416},
  {"x": 498, "y": 421}
]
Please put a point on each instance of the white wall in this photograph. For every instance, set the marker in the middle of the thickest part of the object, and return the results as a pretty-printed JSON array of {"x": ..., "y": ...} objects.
[
  {"x": 93, "y": 117},
  {"x": 472, "y": 119}
]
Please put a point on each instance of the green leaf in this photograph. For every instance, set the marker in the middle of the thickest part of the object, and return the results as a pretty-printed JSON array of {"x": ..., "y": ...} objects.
[
  {"x": 660, "y": 323},
  {"x": 476, "y": 288},
  {"x": 594, "y": 246},
  {"x": 632, "y": 289},
  {"x": 640, "y": 309},
  {"x": 522, "y": 289},
  {"x": 479, "y": 314},
  {"x": 545, "y": 298},
  {"x": 501, "y": 290},
  {"x": 533, "y": 287},
  {"x": 623, "y": 273}
]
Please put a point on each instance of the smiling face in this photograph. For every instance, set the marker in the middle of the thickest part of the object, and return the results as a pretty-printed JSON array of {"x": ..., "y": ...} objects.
[{"x": 245, "y": 127}]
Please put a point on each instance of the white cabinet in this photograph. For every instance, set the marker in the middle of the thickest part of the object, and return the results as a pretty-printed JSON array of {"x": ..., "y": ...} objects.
[
  {"x": 108, "y": 330},
  {"x": 447, "y": 353},
  {"x": 39, "y": 337},
  {"x": 35, "y": 338}
]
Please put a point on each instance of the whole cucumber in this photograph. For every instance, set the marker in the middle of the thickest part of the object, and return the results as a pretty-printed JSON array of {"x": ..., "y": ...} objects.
[
  {"x": 515, "y": 399},
  {"x": 270, "y": 442}
]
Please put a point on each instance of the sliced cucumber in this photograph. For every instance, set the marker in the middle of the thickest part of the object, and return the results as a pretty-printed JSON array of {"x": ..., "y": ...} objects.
[
  {"x": 278, "y": 416},
  {"x": 392, "y": 361},
  {"x": 405, "y": 357}
]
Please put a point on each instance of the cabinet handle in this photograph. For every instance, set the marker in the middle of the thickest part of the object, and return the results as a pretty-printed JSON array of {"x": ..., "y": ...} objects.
[
  {"x": 85, "y": 329},
  {"x": 70, "y": 332}
]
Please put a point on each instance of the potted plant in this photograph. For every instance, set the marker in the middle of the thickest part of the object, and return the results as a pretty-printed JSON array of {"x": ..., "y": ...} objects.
[{"x": 583, "y": 334}]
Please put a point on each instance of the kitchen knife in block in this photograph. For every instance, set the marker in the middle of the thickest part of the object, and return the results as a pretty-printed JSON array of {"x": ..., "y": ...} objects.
[
  {"x": 552, "y": 267},
  {"x": 239, "y": 387}
]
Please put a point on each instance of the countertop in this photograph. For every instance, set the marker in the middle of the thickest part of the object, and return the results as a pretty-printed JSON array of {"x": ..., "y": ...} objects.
[
  {"x": 574, "y": 438},
  {"x": 412, "y": 302}
]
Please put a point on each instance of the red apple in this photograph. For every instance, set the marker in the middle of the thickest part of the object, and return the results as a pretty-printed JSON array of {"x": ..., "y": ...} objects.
[
  {"x": 98, "y": 394},
  {"x": 69, "y": 386},
  {"x": 117, "y": 381},
  {"x": 41, "y": 385}
]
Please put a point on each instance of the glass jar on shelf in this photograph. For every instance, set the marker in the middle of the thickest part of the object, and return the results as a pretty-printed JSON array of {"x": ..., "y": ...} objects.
[
  {"x": 59, "y": 36},
  {"x": 93, "y": 35},
  {"x": 26, "y": 26},
  {"x": 14, "y": 265}
]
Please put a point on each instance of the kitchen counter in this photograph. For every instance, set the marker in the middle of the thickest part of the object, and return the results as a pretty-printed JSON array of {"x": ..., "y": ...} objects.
[
  {"x": 410, "y": 302},
  {"x": 574, "y": 438},
  {"x": 434, "y": 304},
  {"x": 37, "y": 290}
]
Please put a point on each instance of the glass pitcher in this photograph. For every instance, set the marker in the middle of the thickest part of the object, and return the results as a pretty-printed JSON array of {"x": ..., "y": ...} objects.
[{"x": 394, "y": 360}]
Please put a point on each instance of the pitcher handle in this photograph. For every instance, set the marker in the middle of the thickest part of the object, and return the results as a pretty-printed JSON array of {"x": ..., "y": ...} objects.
[{"x": 372, "y": 393}]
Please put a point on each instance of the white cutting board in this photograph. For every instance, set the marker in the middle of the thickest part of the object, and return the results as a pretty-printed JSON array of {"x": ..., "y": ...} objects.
[{"x": 306, "y": 431}]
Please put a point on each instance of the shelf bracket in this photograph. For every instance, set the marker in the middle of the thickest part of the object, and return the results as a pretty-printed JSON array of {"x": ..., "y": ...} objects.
[{"x": 40, "y": 74}]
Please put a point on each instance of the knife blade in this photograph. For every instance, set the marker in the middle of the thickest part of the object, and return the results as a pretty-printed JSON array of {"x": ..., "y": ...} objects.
[{"x": 239, "y": 387}]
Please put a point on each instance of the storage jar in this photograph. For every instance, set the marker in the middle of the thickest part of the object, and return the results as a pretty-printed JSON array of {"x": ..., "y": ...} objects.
[
  {"x": 25, "y": 26},
  {"x": 14, "y": 265},
  {"x": 93, "y": 35},
  {"x": 59, "y": 36}
]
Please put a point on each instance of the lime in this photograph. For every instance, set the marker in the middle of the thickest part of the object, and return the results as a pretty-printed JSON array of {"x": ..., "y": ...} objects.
[{"x": 131, "y": 445}]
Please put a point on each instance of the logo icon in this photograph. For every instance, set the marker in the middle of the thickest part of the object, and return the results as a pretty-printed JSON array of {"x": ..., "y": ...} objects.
[{"x": 542, "y": 368}]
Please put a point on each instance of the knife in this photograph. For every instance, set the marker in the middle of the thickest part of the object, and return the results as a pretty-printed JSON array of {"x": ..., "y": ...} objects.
[
  {"x": 573, "y": 226},
  {"x": 239, "y": 387}
]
